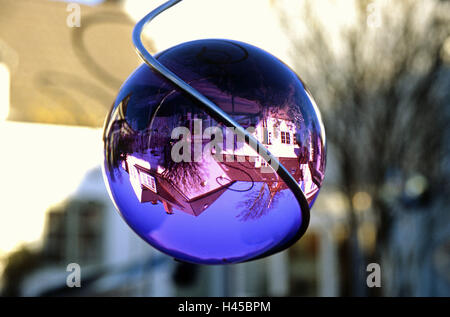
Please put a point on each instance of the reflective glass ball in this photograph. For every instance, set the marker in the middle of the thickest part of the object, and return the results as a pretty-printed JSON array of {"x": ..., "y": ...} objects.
[{"x": 190, "y": 186}]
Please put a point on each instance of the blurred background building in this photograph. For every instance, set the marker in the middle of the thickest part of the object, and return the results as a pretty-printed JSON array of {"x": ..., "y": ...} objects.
[{"x": 379, "y": 71}]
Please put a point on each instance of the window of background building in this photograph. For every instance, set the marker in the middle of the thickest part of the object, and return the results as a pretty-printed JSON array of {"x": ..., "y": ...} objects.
[
  {"x": 74, "y": 233},
  {"x": 303, "y": 266}
]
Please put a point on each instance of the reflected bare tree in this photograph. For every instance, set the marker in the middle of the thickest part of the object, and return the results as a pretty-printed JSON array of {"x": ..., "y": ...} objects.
[
  {"x": 384, "y": 95},
  {"x": 187, "y": 174},
  {"x": 259, "y": 202}
]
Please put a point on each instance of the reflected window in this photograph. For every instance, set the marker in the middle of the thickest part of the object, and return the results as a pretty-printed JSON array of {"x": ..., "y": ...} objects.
[
  {"x": 285, "y": 137},
  {"x": 148, "y": 181}
]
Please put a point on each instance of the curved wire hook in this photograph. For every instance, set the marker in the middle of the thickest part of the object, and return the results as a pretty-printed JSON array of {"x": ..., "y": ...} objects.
[{"x": 223, "y": 116}]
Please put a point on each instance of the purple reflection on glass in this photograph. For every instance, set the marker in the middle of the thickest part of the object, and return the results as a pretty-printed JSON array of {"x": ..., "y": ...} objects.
[{"x": 190, "y": 186}]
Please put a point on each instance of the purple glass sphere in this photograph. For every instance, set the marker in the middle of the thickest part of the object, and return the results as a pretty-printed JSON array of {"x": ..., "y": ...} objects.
[{"x": 189, "y": 185}]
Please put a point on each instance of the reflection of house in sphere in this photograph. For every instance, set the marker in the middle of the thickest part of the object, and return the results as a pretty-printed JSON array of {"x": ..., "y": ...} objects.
[{"x": 238, "y": 162}]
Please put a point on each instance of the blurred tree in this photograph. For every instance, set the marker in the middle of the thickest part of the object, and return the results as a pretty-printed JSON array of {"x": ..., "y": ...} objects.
[
  {"x": 383, "y": 89},
  {"x": 18, "y": 264}
]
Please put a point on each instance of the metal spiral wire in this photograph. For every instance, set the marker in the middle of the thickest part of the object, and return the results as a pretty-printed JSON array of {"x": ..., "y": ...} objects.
[{"x": 209, "y": 106}]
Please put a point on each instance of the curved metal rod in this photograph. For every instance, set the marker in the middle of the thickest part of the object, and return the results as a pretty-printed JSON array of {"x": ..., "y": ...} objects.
[{"x": 222, "y": 115}]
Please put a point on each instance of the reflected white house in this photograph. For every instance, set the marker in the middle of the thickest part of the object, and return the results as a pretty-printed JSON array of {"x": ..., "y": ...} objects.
[{"x": 230, "y": 160}]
